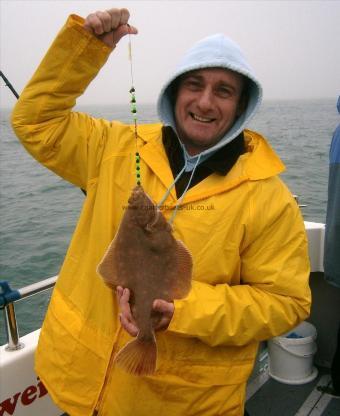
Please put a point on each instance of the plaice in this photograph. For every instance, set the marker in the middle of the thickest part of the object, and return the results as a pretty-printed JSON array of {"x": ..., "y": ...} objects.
[{"x": 145, "y": 258}]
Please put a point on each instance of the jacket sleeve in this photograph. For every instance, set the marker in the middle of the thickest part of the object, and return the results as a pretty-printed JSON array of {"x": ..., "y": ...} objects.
[
  {"x": 69, "y": 143},
  {"x": 332, "y": 235},
  {"x": 274, "y": 293}
]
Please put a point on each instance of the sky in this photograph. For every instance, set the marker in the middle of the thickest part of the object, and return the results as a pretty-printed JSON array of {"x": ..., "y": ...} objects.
[{"x": 293, "y": 46}]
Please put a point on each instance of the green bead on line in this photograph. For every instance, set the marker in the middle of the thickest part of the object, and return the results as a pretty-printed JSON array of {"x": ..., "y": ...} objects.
[{"x": 134, "y": 117}]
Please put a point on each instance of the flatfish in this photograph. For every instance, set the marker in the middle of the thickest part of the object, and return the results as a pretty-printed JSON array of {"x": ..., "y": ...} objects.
[{"x": 145, "y": 257}]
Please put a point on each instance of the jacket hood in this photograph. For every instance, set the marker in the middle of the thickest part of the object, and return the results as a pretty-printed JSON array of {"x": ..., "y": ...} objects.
[
  {"x": 214, "y": 51},
  {"x": 338, "y": 104}
]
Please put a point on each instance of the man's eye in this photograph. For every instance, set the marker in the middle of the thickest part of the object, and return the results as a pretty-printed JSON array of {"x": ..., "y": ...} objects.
[
  {"x": 192, "y": 85},
  {"x": 224, "y": 92}
]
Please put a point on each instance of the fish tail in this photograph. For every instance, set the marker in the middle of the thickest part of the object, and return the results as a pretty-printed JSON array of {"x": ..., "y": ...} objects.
[{"x": 138, "y": 357}]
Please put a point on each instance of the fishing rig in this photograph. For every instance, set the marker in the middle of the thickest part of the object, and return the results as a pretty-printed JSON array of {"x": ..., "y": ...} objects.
[{"x": 134, "y": 110}]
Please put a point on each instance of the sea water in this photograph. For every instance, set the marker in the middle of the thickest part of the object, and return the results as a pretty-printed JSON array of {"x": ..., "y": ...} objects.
[{"x": 38, "y": 210}]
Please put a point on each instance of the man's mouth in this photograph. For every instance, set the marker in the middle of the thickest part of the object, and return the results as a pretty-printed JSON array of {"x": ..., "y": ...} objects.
[{"x": 202, "y": 119}]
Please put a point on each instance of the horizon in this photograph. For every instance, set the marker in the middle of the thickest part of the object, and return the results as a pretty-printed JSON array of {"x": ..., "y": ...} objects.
[{"x": 153, "y": 104}]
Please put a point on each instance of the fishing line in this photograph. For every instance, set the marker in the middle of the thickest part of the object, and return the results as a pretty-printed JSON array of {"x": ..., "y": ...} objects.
[
  {"x": 134, "y": 110},
  {"x": 137, "y": 155}
]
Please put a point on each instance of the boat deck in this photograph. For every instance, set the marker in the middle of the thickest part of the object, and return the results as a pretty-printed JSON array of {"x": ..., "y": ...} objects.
[{"x": 266, "y": 396}]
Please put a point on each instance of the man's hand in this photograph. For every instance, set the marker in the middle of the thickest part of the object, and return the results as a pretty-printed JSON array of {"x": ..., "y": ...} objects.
[
  {"x": 162, "y": 313},
  {"x": 125, "y": 316},
  {"x": 109, "y": 26}
]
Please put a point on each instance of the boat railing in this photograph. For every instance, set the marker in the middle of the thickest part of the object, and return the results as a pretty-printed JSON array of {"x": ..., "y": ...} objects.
[{"x": 8, "y": 297}]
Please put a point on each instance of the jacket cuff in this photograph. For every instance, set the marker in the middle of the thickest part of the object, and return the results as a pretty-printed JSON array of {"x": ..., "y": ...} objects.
[{"x": 77, "y": 22}]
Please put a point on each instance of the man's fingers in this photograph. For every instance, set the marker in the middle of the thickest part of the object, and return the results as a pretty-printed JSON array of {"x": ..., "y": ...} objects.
[
  {"x": 118, "y": 17},
  {"x": 124, "y": 16},
  {"x": 119, "y": 292},
  {"x": 131, "y": 328},
  {"x": 115, "y": 16},
  {"x": 162, "y": 306},
  {"x": 105, "y": 19},
  {"x": 161, "y": 315},
  {"x": 163, "y": 312},
  {"x": 125, "y": 305},
  {"x": 126, "y": 318},
  {"x": 123, "y": 30},
  {"x": 95, "y": 22},
  {"x": 92, "y": 22},
  {"x": 132, "y": 30},
  {"x": 110, "y": 26},
  {"x": 156, "y": 318}
]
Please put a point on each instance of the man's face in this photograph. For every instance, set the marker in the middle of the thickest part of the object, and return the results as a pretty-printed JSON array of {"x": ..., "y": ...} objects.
[{"x": 208, "y": 102}]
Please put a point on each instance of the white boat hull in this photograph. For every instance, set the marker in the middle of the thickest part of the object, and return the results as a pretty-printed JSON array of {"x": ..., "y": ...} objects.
[{"x": 22, "y": 393}]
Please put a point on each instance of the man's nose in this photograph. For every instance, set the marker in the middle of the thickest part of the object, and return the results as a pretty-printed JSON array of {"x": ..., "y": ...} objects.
[{"x": 205, "y": 100}]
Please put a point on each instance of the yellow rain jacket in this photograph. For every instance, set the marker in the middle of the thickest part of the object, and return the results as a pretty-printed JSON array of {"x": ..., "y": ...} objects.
[{"x": 244, "y": 230}]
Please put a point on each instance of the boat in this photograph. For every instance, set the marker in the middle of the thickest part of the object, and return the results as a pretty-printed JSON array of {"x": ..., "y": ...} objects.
[{"x": 23, "y": 394}]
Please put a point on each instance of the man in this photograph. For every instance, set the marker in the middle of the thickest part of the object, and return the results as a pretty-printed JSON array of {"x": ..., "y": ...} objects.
[
  {"x": 332, "y": 240},
  {"x": 250, "y": 263}
]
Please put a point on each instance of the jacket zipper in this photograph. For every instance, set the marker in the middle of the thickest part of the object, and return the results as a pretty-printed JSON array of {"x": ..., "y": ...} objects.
[{"x": 107, "y": 375}]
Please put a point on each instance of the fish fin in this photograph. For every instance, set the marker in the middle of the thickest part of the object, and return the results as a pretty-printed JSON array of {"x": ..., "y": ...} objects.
[
  {"x": 138, "y": 357},
  {"x": 107, "y": 267},
  {"x": 182, "y": 281}
]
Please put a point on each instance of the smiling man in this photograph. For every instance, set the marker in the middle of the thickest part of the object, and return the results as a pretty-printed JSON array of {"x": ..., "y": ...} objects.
[
  {"x": 250, "y": 261},
  {"x": 208, "y": 102}
]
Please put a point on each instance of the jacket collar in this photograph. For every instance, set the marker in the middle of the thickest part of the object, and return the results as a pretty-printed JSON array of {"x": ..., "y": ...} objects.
[
  {"x": 220, "y": 162},
  {"x": 259, "y": 162}
]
